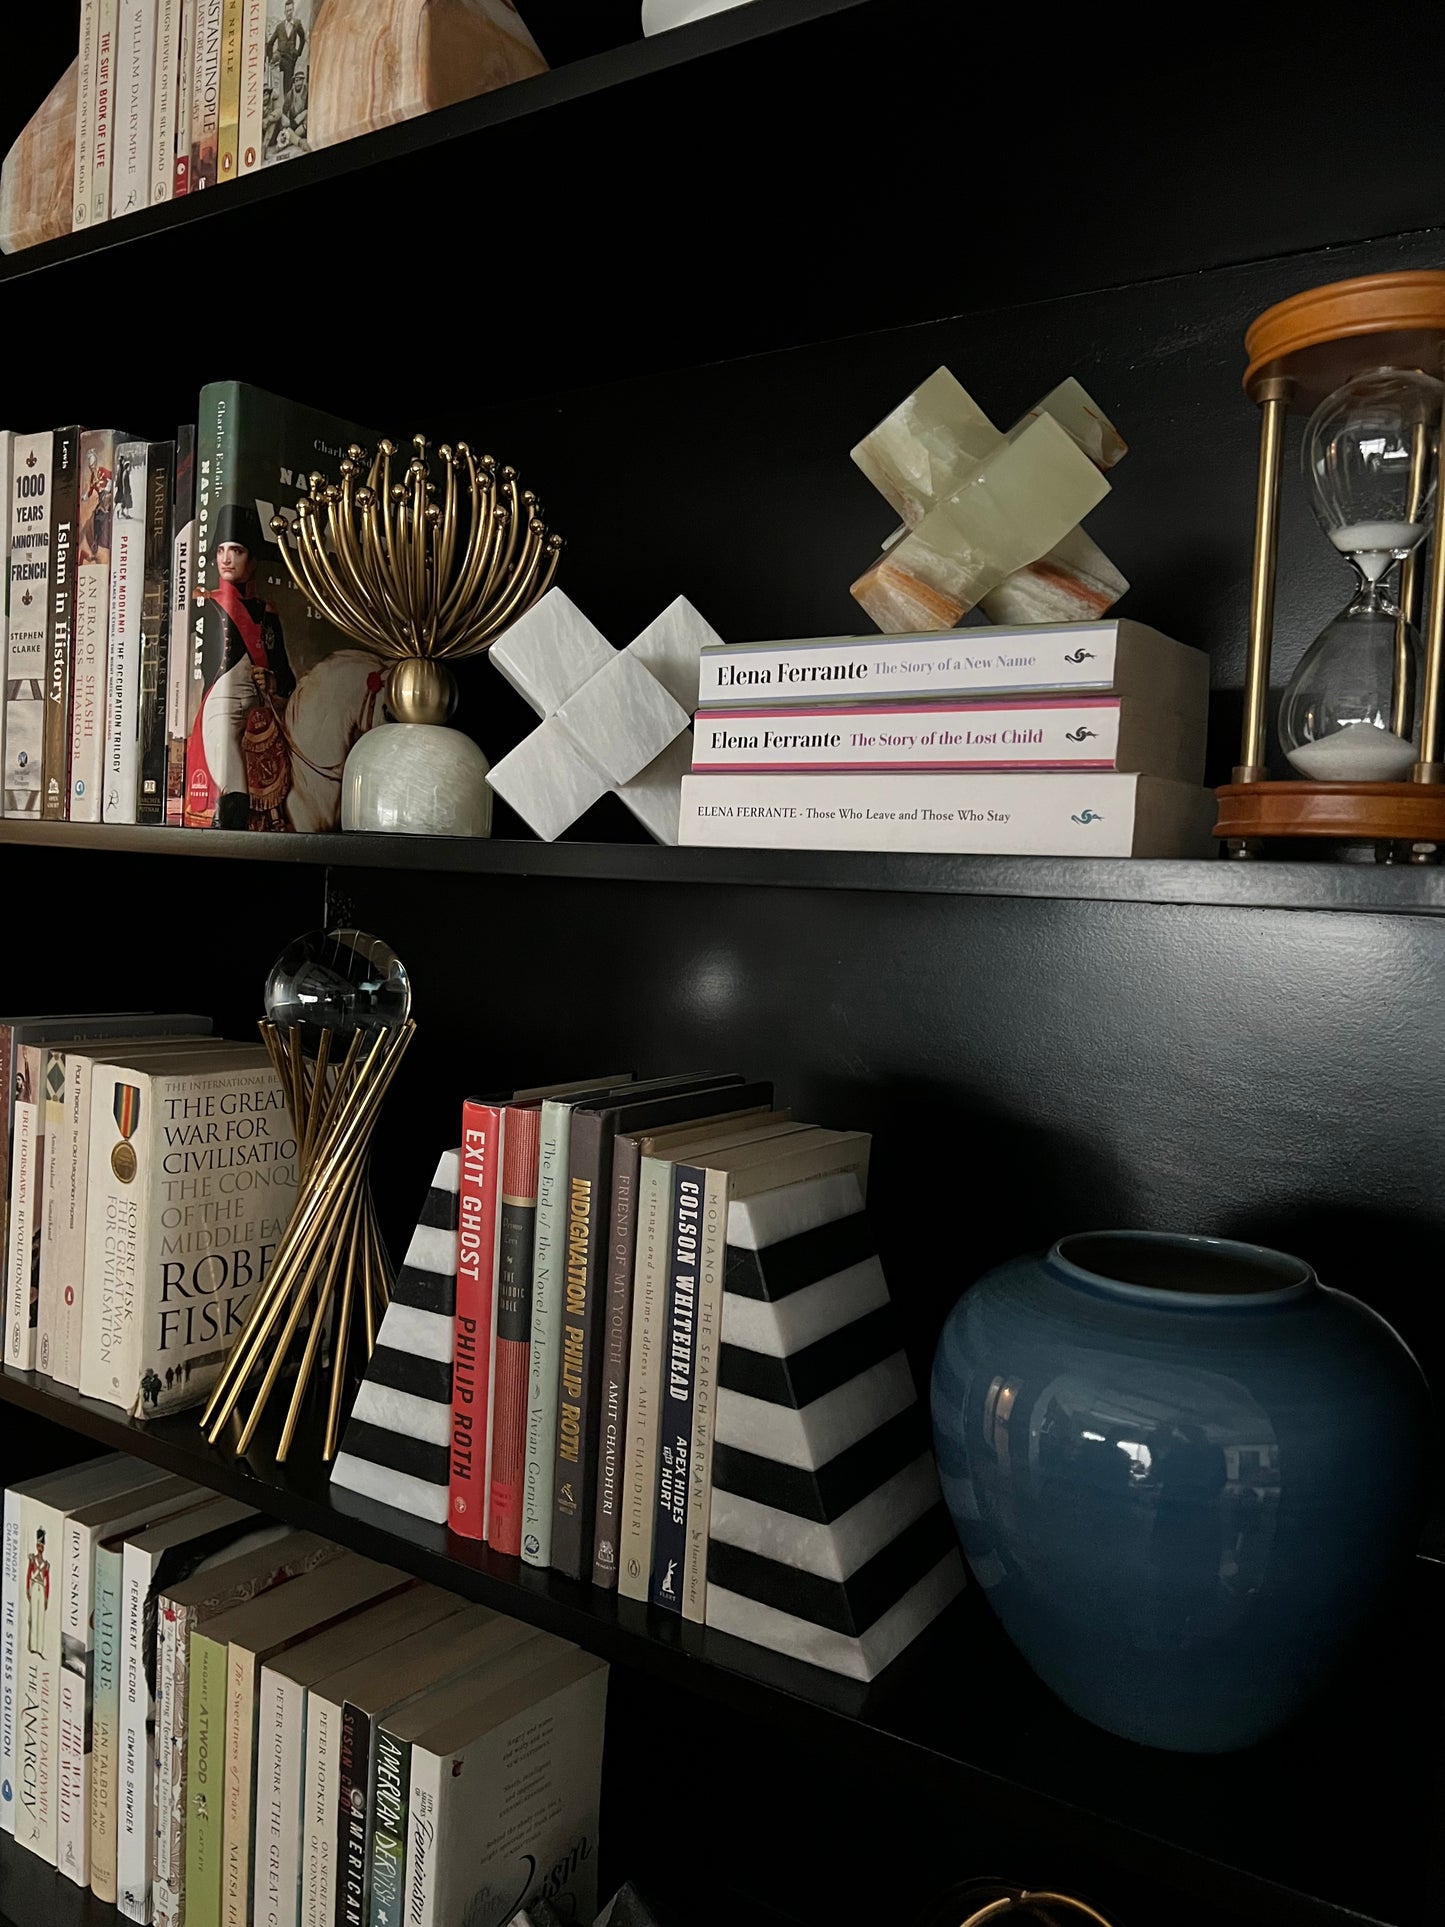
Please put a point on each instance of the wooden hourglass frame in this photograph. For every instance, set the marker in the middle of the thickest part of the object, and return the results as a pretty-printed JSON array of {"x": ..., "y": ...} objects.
[{"x": 1300, "y": 351}]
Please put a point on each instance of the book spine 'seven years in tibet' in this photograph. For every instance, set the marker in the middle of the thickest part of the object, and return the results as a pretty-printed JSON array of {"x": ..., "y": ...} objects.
[{"x": 669, "y": 1551}]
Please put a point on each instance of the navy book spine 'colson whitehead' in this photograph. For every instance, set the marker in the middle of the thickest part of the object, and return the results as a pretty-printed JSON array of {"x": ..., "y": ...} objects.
[{"x": 669, "y": 1546}]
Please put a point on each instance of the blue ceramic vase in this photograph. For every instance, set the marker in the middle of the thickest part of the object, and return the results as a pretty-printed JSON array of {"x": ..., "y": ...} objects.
[{"x": 1183, "y": 1472}]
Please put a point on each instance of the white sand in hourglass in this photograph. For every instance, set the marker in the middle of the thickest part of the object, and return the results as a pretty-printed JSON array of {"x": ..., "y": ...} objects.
[
  {"x": 1375, "y": 545},
  {"x": 1358, "y": 753}
]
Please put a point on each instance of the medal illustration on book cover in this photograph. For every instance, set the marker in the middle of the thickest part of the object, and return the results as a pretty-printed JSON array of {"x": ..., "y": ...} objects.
[{"x": 126, "y": 1107}]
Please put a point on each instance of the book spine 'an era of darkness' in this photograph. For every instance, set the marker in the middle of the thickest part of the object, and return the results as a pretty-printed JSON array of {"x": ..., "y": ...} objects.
[
  {"x": 478, "y": 1234},
  {"x": 90, "y": 637},
  {"x": 513, "y": 1321},
  {"x": 616, "y": 1333},
  {"x": 25, "y": 645},
  {"x": 574, "y": 1486},
  {"x": 669, "y": 1549},
  {"x": 122, "y": 680},
  {"x": 64, "y": 559},
  {"x": 178, "y": 650},
  {"x": 155, "y": 617},
  {"x": 161, "y": 165},
  {"x": 102, "y": 153}
]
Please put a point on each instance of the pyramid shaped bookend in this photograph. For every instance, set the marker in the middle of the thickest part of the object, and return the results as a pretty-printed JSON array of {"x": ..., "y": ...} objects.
[
  {"x": 828, "y": 1540},
  {"x": 395, "y": 1447}
]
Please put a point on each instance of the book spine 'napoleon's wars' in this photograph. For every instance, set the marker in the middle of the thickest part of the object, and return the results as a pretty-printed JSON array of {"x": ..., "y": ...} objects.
[
  {"x": 25, "y": 646},
  {"x": 478, "y": 1236},
  {"x": 64, "y": 510},
  {"x": 516, "y": 1234}
]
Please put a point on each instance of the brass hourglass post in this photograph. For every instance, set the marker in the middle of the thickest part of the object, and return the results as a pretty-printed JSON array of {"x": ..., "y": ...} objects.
[
  {"x": 1273, "y": 396},
  {"x": 1410, "y": 580},
  {"x": 1428, "y": 769}
]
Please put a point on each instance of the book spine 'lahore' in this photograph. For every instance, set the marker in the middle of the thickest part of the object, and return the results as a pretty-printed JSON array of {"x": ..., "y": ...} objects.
[
  {"x": 92, "y": 625},
  {"x": 478, "y": 1232},
  {"x": 178, "y": 651},
  {"x": 84, "y": 114},
  {"x": 105, "y": 1722},
  {"x": 161, "y": 166},
  {"x": 517, "y": 1232},
  {"x": 127, "y": 585},
  {"x": 155, "y": 635},
  {"x": 29, "y": 609},
  {"x": 55, "y": 743},
  {"x": 103, "y": 124},
  {"x": 575, "y": 1480},
  {"x": 616, "y": 1330},
  {"x": 669, "y": 1549}
]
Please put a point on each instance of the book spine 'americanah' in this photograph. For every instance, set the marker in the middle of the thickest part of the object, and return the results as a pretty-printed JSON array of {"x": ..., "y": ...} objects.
[
  {"x": 65, "y": 505},
  {"x": 155, "y": 615},
  {"x": 516, "y": 1232},
  {"x": 616, "y": 1336},
  {"x": 669, "y": 1548},
  {"x": 351, "y": 1816},
  {"x": 477, "y": 1250}
]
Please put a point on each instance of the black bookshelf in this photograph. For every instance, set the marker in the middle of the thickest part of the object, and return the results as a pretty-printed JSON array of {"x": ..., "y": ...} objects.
[{"x": 1299, "y": 1831}]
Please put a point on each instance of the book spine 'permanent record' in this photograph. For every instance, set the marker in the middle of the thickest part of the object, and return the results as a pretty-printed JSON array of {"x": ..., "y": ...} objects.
[
  {"x": 55, "y": 745},
  {"x": 669, "y": 1549},
  {"x": 478, "y": 1237}
]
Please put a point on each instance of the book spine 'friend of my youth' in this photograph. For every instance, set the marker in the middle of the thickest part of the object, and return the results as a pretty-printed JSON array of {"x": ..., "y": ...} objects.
[
  {"x": 478, "y": 1232},
  {"x": 64, "y": 510},
  {"x": 178, "y": 653},
  {"x": 516, "y": 1236},
  {"x": 155, "y": 614},
  {"x": 25, "y": 646},
  {"x": 669, "y": 1549},
  {"x": 92, "y": 624}
]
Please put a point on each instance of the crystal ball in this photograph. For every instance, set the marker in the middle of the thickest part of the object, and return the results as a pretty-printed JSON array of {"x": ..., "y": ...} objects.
[{"x": 343, "y": 981}]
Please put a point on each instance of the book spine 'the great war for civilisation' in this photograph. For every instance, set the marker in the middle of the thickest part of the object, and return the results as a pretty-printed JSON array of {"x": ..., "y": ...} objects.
[
  {"x": 155, "y": 617},
  {"x": 64, "y": 558}
]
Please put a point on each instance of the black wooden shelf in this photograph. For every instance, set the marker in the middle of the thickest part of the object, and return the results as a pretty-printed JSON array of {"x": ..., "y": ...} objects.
[
  {"x": 1321, "y": 1828},
  {"x": 1376, "y": 889}
]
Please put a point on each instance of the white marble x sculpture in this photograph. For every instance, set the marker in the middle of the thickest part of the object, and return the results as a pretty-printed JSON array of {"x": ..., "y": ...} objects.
[
  {"x": 612, "y": 719},
  {"x": 990, "y": 520}
]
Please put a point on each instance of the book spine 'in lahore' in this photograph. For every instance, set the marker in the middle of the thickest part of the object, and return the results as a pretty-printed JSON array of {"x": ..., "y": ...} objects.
[
  {"x": 518, "y": 1224},
  {"x": 161, "y": 166},
  {"x": 122, "y": 681},
  {"x": 178, "y": 650},
  {"x": 64, "y": 509},
  {"x": 25, "y": 644},
  {"x": 92, "y": 624},
  {"x": 669, "y": 1547},
  {"x": 105, "y": 1722},
  {"x": 616, "y": 1336},
  {"x": 478, "y": 1235},
  {"x": 102, "y": 158},
  {"x": 155, "y": 617}
]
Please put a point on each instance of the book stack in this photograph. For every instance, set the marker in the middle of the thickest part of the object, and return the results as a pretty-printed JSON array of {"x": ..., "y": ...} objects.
[
  {"x": 1082, "y": 739},
  {"x": 642, "y": 1338},
  {"x": 213, "y": 1718},
  {"x": 148, "y": 1171},
  {"x": 160, "y": 664}
]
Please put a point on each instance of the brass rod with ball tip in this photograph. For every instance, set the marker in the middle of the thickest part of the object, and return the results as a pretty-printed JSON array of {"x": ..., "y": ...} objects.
[{"x": 1273, "y": 404}]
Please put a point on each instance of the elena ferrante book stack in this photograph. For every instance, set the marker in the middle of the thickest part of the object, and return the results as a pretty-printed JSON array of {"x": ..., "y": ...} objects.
[
  {"x": 214, "y": 1719},
  {"x": 642, "y": 1337},
  {"x": 1080, "y": 739}
]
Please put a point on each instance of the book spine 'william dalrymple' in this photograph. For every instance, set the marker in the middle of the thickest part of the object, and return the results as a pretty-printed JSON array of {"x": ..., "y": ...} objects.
[
  {"x": 135, "y": 85},
  {"x": 25, "y": 646},
  {"x": 669, "y": 1549},
  {"x": 64, "y": 509}
]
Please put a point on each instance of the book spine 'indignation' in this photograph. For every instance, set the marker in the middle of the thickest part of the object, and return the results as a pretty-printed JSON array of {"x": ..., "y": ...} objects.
[
  {"x": 55, "y": 747},
  {"x": 518, "y": 1224},
  {"x": 669, "y": 1549},
  {"x": 477, "y": 1247},
  {"x": 155, "y": 634}
]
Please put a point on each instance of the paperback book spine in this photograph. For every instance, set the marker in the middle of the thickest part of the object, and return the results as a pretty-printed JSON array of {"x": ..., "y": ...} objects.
[
  {"x": 22, "y": 1303},
  {"x": 547, "y": 1268},
  {"x": 388, "y": 1841},
  {"x": 133, "y": 1830},
  {"x": 644, "y": 1377},
  {"x": 669, "y": 1549},
  {"x": 236, "y": 1844},
  {"x": 38, "y": 1682},
  {"x": 616, "y": 1333},
  {"x": 205, "y": 1780},
  {"x": 319, "y": 1812},
  {"x": 185, "y": 95},
  {"x": 135, "y": 87},
  {"x": 102, "y": 159},
  {"x": 229, "y": 115},
  {"x": 64, "y": 510},
  {"x": 206, "y": 94},
  {"x": 9, "y": 1655},
  {"x": 50, "y": 1337},
  {"x": 84, "y": 115},
  {"x": 155, "y": 613},
  {"x": 424, "y": 1837},
  {"x": 105, "y": 1723},
  {"x": 253, "y": 86},
  {"x": 351, "y": 1817},
  {"x": 178, "y": 653},
  {"x": 127, "y": 585},
  {"x": 64, "y": 1251},
  {"x": 517, "y": 1237},
  {"x": 478, "y": 1236},
  {"x": 574, "y": 1485},
  {"x": 280, "y": 1756},
  {"x": 92, "y": 624},
  {"x": 77, "y": 1701},
  {"x": 172, "y": 1630},
  {"x": 707, "y": 1337},
  {"x": 161, "y": 165},
  {"x": 25, "y": 647}
]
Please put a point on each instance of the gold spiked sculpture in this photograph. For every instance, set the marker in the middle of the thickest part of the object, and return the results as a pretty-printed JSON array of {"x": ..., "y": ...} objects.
[
  {"x": 424, "y": 572},
  {"x": 338, "y": 1022}
]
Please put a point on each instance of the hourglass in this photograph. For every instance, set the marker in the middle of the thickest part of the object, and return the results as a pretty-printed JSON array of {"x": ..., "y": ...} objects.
[{"x": 1359, "y": 723}]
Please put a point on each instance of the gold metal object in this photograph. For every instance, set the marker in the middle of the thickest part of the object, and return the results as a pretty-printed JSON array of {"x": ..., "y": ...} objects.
[
  {"x": 1274, "y": 404},
  {"x": 1428, "y": 769},
  {"x": 1410, "y": 578},
  {"x": 331, "y": 1253},
  {"x": 420, "y": 691},
  {"x": 1026, "y": 1902},
  {"x": 417, "y": 570}
]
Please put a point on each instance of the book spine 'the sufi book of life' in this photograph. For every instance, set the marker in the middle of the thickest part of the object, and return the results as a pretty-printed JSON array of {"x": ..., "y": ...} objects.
[{"x": 92, "y": 621}]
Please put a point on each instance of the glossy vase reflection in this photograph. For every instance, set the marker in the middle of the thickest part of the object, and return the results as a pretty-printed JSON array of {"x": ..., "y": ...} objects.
[{"x": 1183, "y": 1472}]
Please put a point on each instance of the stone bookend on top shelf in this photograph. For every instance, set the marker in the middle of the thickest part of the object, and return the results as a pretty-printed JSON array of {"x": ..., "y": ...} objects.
[{"x": 38, "y": 179}]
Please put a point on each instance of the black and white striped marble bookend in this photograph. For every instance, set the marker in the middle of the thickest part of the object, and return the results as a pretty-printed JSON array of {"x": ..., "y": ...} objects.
[
  {"x": 829, "y": 1540},
  {"x": 395, "y": 1447}
]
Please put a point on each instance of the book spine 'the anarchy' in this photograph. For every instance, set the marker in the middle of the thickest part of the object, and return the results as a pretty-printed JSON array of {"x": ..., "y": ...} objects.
[
  {"x": 155, "y": 616},
  {"x": 64, "y": 560},
  {"x": 669, "y": 1549},
  {"x": 25, "y": 647},
  {"x": 478, "y": 1235},
  {"x": 517, "y": 1236}
]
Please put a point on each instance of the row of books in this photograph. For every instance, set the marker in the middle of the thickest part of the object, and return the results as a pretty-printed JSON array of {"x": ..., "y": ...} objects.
[
  {"x": 149, "y": 1171},
  {"x": 160, "y": 665},
  {"x": 632, "y": 1402},
  {"x": 211, "y": 1719},
  {"x": 1078, "y": 738}
]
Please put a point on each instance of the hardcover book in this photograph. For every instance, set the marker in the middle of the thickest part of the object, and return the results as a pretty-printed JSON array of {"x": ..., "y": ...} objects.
[
  {"x": 478, "y": 1233},
  {"x": 1057, "y": 814},
  {"x": 64, "y": 511},
  {"x": 277, "y": 696},
  {"x": 155, "y": 634},
  {"x": 25, "y": 645},
  {"x": 178, "y": 653},
  {"x": 122, "y": 677},
  {"x": 165, "y": 1292},
  {"x": 90, "y": 645},
  {"x": 516, "y": 1235}
]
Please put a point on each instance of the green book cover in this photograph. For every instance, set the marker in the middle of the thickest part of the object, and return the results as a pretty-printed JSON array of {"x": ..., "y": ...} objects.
[
  {"x": 277, "y": 696},
  {"x": 205, "y": 1779}
]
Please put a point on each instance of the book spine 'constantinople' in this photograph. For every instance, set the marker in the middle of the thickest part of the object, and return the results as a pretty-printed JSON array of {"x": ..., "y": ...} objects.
[
  {"x": 669, "y": 1549},
  {"x": 64, "y": 557},
  {"x": 477, "y": 1249},
  {"x": 25, "y": 648},
  {"x": 155, "y": 614},
  {"x": 206, "y": 93}
]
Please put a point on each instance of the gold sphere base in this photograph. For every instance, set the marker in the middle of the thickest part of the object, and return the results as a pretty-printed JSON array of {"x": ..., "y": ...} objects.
[{"x": 419, "y": 690}]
